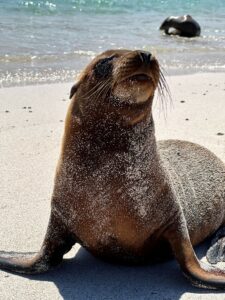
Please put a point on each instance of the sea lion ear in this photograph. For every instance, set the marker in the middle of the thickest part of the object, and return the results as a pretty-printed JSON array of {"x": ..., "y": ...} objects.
[{"x": 74, "y": 89}]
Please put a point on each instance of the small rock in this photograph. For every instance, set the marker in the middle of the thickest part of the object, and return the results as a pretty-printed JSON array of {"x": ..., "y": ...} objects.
[
  {"x": 186, "y": 119},
  {"x": 220, "y": 133},
  {"x": 6, "y": 111},
  {"x": 182, "y": 101}
]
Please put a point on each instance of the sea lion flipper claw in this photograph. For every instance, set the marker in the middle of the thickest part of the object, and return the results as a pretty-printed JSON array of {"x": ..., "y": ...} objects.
[
  {"x": 200, "y": 274},
  {"x": 216, "y": 252},
  {"x": 57, "y": 242}
]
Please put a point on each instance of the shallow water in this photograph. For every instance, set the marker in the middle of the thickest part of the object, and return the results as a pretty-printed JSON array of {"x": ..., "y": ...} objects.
[{"x": 50, "y": 41}]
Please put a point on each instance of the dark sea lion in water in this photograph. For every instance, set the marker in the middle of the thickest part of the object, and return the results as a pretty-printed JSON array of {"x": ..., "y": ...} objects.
[
  {"x": 119, "y": 193},
  {"x": 184, "y": 26}
]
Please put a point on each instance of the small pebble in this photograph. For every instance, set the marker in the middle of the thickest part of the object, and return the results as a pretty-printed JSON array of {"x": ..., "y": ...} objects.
[
  {"x": 24, "y": 107},
  {"x": 182, "y": 101},
  {"x": 220, "y": 133},
  {"x": 60, "y": 120},
  {"x": 30, "y": 111},
  {"x": 6, "y": 111},
  {"x": 29, "y": 107},
  {"x": 186, "y": 119}
]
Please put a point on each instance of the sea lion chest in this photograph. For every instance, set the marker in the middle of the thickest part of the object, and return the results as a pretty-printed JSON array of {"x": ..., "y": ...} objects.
[{"x": 108, "y": 200}]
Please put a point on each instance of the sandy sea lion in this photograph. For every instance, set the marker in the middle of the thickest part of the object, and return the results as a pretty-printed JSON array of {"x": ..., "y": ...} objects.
[
  {"x": 184, "y": 26},
  {"x": 118, "y": 192}
]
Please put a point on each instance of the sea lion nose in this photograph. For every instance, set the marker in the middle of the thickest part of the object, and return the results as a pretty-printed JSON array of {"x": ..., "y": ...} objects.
[{"x": 145, "y": 56}]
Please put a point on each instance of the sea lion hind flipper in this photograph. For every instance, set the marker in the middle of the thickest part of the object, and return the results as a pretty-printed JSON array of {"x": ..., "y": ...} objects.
[
  {"x": 57, "y": 242},
  {"x": 200, "y": 274},
  {"x": 216, "y": 252}
]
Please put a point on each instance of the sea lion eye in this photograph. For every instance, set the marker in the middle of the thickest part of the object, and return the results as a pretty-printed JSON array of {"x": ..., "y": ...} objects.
[{"x": 104, "y": 67}]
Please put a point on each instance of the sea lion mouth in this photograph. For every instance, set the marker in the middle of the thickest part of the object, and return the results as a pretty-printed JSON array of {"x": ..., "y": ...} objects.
[{"x": 139, "y": 78}]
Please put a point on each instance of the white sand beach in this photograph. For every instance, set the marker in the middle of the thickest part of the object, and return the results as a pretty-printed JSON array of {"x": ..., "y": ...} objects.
[{"x": 31, "y": 128}]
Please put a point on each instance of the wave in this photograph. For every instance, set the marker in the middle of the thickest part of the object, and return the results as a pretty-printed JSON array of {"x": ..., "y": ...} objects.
[
  {"x": 49, "y": 58},
  {"x": 117, "y": 6}
]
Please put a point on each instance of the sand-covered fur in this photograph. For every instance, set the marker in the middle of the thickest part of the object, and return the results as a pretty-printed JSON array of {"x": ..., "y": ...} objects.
[{"x": 116, "y": 192}]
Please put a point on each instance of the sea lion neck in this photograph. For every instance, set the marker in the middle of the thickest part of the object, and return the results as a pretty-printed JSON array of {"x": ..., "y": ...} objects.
[
  {"x": 107, "y": 137},
  {"x": 110, "y": 135}
]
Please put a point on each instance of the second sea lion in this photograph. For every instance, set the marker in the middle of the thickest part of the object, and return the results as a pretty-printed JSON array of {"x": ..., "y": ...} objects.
[{"x": 184, "y": 26}]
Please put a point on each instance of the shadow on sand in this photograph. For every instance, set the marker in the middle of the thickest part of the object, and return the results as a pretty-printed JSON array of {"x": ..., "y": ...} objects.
[{"x": 85, "y": 277}]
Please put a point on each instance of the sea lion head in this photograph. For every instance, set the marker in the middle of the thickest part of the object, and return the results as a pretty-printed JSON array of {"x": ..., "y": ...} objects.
[{"x": 117, "y": 82}]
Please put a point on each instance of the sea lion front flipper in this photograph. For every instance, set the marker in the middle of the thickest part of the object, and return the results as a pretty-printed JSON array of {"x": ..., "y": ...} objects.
[
  {"x": 7, "y": 254},
  {"x": 200, "y": 274},
  {"x": 57, "y": 242},
  {"x": 216, "y": 252}
]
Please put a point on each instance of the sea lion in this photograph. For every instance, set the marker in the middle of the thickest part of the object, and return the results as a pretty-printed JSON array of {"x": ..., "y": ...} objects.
[
  {"x": 119, "y": 193},
  {"x": 184, "y": 26}
]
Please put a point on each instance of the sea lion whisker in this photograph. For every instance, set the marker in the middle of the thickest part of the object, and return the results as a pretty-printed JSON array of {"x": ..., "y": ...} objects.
[
  {"x": 100, "y": 87},
  {"x": 164, "y": 93},
  {"x": 99, "y": 90},
  {"x": 103, "y": 92},
  {"x": 95, "y": 87}
]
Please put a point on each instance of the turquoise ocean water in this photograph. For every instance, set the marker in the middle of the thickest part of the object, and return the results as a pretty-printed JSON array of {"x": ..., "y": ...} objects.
[{"x": 51, "y": 41}]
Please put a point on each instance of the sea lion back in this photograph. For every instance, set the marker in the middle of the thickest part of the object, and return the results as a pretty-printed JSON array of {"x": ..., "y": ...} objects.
[{"x": 198, "y": 179}]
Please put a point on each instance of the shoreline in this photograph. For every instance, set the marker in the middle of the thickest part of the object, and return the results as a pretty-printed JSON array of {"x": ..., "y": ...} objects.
[
  {"x": 30, "y": 135},
  {"x": 167, "y": 73},
  {"x": 71, "y": 79}
]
